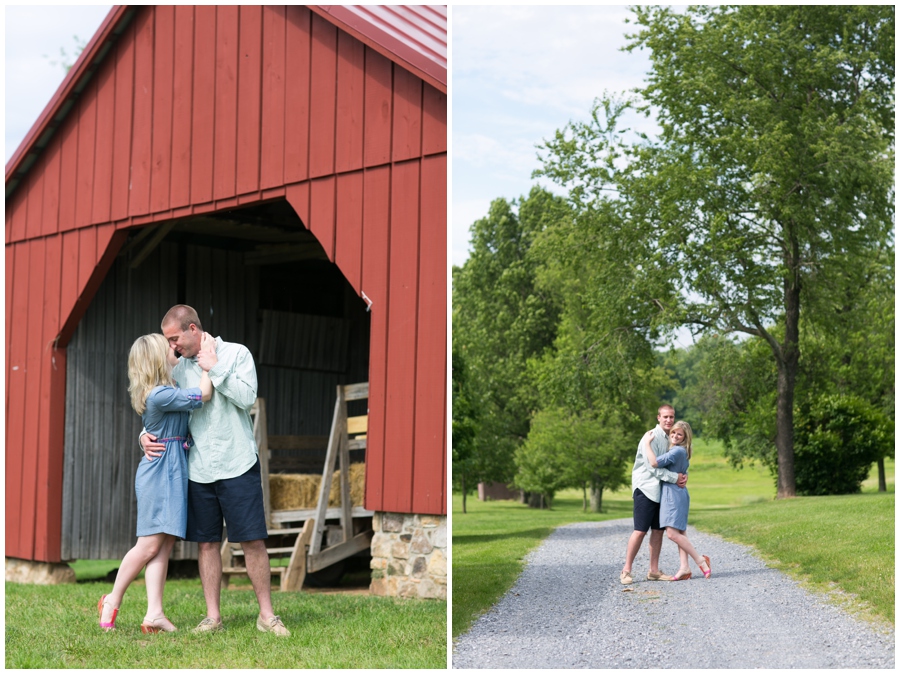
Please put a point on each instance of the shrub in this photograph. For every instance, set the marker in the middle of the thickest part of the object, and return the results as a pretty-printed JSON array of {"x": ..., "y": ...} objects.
[{"x": 836, "y": 441}]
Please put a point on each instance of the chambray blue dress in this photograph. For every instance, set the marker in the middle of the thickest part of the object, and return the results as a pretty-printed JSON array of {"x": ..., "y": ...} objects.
[
  {"x": 675, "y": 501},
  {"x": 161, "y": 484}
]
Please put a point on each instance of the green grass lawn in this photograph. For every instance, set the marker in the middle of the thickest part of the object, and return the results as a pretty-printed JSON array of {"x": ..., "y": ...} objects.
[
  {"x": 491, "y": 540},
  {"x": 56, "y": 627}
]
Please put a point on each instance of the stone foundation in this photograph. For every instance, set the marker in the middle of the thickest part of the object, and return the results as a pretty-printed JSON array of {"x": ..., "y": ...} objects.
[
  {"x": 37, "y": 573},
  {"x": 409, "y": 556}
]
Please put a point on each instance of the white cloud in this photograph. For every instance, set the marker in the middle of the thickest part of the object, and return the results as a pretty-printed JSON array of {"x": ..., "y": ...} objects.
[{"x": 519, "y": 74}]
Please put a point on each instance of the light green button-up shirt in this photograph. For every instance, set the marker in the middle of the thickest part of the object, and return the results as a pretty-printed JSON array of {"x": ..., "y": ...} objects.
[
  {"x": 224, "y": 446},
  {"x": 644, "y": 476}
]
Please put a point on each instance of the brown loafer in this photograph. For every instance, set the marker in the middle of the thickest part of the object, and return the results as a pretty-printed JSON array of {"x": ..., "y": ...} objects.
[
  {"x": 209, "y": 625},
  {"x": 273, "y": 625},
  {"x": 625, "y": 578},
  {"x": 658, "y": 576}
]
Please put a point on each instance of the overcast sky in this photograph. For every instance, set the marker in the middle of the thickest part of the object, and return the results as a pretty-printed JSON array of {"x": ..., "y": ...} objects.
[
  {"x": 519, "y": 73},
  {"x": 34, "y": 36}
]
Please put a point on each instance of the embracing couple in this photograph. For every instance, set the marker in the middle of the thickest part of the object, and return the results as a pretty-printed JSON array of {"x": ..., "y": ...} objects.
[
  {"x": 200, "y": 466},
  {"x": 661, "y": 499}
]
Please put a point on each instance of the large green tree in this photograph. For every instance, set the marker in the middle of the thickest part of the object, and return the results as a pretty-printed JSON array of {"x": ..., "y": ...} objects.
[
  {"x": 768, "y": 186},
  {"x": 465, "y": 427},
  {"x": 500, "y": 320}
]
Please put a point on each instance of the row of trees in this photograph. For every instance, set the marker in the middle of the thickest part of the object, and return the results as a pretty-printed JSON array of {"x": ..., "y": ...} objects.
[{"x": 763, "y": 208}]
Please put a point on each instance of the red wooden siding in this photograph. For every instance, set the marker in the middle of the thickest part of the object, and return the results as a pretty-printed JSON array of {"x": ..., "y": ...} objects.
[{"x": 196, "y": 109}]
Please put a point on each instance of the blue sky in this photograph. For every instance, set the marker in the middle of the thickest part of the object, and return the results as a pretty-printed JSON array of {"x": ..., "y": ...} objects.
[
  {"x": 34, "y": 34},
  {"x": 519, "y": 73}
]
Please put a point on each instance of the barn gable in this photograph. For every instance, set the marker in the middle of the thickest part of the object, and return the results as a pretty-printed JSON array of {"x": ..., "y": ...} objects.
[{"x": 175, "y": 117}]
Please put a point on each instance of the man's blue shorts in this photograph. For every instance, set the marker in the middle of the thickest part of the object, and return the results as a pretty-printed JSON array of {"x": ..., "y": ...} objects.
[
  {"x": 238, "y": 500},
  {"x": 646, "y": 513}
]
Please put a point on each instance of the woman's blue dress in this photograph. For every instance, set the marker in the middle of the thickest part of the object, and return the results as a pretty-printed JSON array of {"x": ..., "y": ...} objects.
[
  {"x": 675, "y": 501},
  {"x": 161, "y": 484}
]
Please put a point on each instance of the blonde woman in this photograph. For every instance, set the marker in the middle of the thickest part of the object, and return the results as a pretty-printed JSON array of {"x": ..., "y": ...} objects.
[
  {"x": 675, "y": 502},
  {"x": 161, "y": 485}
]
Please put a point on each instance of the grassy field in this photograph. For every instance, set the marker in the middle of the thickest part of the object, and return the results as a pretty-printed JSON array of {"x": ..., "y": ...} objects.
[
  {"x": 56, "y": 627},
  {"x": 846, "y": 560}
]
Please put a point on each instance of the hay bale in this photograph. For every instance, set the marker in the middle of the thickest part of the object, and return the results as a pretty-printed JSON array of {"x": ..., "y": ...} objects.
[
  {"x": 294, "y": 492},
  {"x": 299, "y": 492},
  {"x": 357, "y": 486}
]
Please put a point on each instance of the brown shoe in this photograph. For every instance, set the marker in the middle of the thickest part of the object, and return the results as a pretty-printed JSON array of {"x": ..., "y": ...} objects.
[
  {"x": 659, "y": 575},
  {"x": 273, "y": 625},
  {"x": 625, "y": 578},
  {"x": 209, "y": 625}
]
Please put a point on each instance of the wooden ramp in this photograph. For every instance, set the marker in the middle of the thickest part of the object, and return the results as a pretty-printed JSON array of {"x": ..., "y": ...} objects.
[{"x": 310, "y": 540}]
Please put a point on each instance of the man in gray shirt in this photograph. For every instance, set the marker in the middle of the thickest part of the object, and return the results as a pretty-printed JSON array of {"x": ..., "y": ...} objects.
[
  {"x": 223, "y": 466},
  {"x": 646, "y": 491}
]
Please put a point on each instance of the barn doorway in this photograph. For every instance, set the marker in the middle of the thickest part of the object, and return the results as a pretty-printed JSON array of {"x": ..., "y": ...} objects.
[{"x": 256, "y": 275}]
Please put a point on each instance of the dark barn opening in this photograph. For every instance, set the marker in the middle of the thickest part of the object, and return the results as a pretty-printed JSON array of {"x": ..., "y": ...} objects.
[{"x": 256, "y": 276}]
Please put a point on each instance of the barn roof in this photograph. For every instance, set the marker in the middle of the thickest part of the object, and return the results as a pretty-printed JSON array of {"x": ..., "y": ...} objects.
[{"x": 413, "y": 37}]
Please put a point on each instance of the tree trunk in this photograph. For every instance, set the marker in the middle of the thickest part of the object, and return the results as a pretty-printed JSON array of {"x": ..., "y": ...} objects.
[
  {"x": 596, "y": 495},
  {"x": 597, "y": 498},
  {"x": 534, "y": 500},
  {"x": 788, "y": 361},
  {"x": 463, "y": 481},
  {"x": 882, "y": 482},
  {"x": 584, "y": 498}
]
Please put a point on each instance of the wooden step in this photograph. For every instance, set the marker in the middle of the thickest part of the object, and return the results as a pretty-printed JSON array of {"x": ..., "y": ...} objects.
[
  {"x": 271, "y": 551},
  {"x": 330, "y": 514},
  {"x": 231, "y": 570}
]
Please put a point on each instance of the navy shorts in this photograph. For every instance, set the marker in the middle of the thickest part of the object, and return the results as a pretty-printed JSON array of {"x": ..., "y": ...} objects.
[
  {"x": 646, "y": 513},
  {"x": 237, "y": 500}
]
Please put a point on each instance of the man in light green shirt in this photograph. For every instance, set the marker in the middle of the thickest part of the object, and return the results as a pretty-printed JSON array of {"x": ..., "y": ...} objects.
[
  {"x": 223, "y": 465},
  {"x": 646, "y": 490}
]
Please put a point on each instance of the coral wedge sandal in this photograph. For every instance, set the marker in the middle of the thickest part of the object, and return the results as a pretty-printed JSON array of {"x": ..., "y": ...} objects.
[{"x": 111, "y": 625}]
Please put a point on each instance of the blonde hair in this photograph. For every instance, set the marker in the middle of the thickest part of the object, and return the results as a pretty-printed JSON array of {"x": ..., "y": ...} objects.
[
  {"x": 148, "y": 368},
  {"x": 688, "y": 435}
]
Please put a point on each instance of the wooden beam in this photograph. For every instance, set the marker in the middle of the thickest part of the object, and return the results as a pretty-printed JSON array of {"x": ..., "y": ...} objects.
[
  {"x": 154, "y": 241},
  {"x": 338, "y": 429},
  {"x": 356, "y": 391},
  {"x": 292, "y": 579},
  {"x": 336, "y": 553}
]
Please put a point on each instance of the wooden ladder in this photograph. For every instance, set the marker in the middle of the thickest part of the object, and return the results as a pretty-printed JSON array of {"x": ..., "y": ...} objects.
[
  {"x": 302, "y": 545},
  {"x": 282, "y": 544},
  {"x": 339, "y": 446}
]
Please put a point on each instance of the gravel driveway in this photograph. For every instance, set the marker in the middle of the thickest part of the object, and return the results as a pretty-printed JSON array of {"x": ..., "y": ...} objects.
[{"x": 568, "y": 610}]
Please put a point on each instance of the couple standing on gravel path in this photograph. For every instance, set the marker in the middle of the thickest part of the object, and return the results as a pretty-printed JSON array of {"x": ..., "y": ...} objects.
[{"x": 661, "y": 499}]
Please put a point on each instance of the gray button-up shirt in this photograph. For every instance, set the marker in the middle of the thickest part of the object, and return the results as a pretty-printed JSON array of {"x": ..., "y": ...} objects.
[
  {"x": 224, "y": 446},
  {"x": 644, "y": 476}
]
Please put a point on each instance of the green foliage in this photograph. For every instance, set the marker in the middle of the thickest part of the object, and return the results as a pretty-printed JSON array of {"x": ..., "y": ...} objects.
[
  {"x": 65, "y": 60},
  {"x": 731, "y": 386},
  {"x": 570, "y": 450},
  {"x": 465, "y": 424},
  {"x": 849, "y": 345},
  {"x": 837, "y": 440},
  {"x": 768, "y": 188},
  {"x": 500, "y": 320}
]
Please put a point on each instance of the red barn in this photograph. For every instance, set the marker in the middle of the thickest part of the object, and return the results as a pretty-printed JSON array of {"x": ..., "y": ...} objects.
[{"x": 280, "y": 168}]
